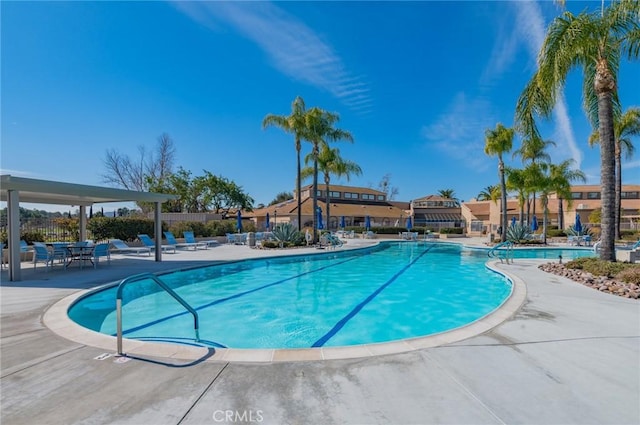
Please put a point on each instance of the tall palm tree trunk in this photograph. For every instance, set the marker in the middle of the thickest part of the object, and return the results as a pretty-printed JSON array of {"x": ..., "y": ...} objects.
[
  {"x": 618, "y": 207},
  {"x": 503, "y": 188},
  {"x": 607, "y": 170},
  {"x": 328, "y": 201},
  {"x": 560, "y": 214},
  {"x": 315, "y": 192},
  {"x": 298, "y": 187}
]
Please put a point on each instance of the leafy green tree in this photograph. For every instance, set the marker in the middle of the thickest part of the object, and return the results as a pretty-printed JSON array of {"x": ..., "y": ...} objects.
[
  {"x": 281, "y": 197},
  {"x": 624, "y": 128},
  {"x": 331, "y": 163},
  {"x": 296, "y": 124},
  {"x": 596, "y": 42},
  {"x": 321, "y": 131},
  {"x": 498, "y": 142}
]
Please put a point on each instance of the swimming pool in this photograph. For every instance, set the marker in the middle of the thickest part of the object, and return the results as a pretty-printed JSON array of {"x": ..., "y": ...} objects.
[{"x": 395, "y": 291}]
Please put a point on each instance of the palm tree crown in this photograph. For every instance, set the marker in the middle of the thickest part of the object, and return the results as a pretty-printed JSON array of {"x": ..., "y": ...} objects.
[
  {"x": 295, "y": 123},
  {"x": 596, "y": 42}
]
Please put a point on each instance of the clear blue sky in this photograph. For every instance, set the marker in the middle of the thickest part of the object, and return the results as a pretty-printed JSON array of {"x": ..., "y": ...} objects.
[{"x": 417, "y": 83}]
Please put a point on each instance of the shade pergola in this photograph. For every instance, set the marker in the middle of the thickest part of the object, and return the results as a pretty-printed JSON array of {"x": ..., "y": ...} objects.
[{"x": 14, "y": 190}]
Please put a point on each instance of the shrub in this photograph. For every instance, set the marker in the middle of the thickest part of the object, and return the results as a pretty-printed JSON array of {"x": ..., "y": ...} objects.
[
  {"x": 451, "y": 230},
  {"x": 585, "y": 231},
  {"x": 31, "y": 237},
  {"x": 630, "y": 274},
  {"x": 597, "y": 267},
  {"x": 555, "y": 233},
  {"x": 124, "y": 228}
]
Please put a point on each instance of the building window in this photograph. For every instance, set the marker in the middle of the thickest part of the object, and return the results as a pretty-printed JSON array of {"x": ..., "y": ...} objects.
[
  {"x": 318, "y": 193},
  {"x": 380, "y": 197},
  {"x": 368, "y": 196},
  {"x": 349, "y": 195},
  {"x": 593, "y": 195},
  {"x": 629, "y": 195},
  {"x": 334, "y": 194},
  {"x": 576, "y": 195}
]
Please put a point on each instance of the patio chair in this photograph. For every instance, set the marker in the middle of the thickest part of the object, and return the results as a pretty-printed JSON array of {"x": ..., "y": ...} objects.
[
  {"x": 148, "y": 242},
  {"x": 42, "y": 254},
  {"x": 60, "y": 251},
  {"x": 121, "y": 247},
  {"x": 172, "y": 241},
  {"x": 190, "y": 238},
  {"x": 24, "y": 248},
  {"x": 100, "y": 250}
]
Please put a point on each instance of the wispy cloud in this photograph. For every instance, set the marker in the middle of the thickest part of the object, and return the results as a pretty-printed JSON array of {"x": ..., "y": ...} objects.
[
  {"x": 458, "y": 132},
  {"x": 530, "y": 28},
  {"x": 292, "y": 47}
]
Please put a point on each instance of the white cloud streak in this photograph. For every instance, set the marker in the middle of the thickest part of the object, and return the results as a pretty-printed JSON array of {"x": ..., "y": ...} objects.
[
  {"x": 292, "y": 47},
  {"x": 459, "y": 131}
]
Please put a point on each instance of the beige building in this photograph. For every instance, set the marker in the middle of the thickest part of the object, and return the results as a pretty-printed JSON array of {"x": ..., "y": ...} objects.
[
  {"x": 484, "y": 216},
  {"x": 352, "y": 203}
]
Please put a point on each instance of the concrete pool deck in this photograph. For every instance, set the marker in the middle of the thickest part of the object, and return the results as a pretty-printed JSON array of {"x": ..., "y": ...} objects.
[{"x": 568, "y": 355}]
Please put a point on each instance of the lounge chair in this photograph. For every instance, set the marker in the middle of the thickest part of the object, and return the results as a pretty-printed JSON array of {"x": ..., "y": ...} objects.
[
  {"x": 121, "y": 247},
  {"x": 148, "y": 242},
  {"x": 172, "y": 241},
  {"x": 190, "y": 238}
]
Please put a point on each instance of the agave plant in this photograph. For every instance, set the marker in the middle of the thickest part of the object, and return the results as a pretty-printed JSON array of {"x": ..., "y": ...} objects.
[
  {"x": 287, "y": 233},
  {"x": 584, "y": 231},
  {"x": 518, "y": 232}
]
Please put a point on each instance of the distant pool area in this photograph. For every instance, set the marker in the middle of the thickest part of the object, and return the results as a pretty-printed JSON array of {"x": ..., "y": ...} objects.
[{"x": 395, "y": 291}]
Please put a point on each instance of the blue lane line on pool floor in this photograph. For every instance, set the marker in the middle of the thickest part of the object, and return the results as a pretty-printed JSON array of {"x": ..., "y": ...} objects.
[
  {"x": 336, "y": 328},
  {"x": 238, "y": 295}
]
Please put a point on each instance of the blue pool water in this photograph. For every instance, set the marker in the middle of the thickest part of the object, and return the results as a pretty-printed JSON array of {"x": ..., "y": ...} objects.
[{"x": 394, "y": 291}]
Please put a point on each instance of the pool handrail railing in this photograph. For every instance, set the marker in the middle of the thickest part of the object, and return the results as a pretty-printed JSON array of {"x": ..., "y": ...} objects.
[
  {"x": 508, "y": 249},
  {"x": 162, "y": 285}
]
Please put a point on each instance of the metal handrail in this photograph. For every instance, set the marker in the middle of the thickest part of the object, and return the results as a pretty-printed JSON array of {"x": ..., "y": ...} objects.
[
  {"x": 162, "y": 285},
  {"x": 509, "y": 251}
]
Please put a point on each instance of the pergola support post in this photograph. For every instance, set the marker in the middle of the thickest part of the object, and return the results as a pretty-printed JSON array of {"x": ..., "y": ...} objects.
[
  {"x": 158, "y": 231},
  {"x": 13, "y": 234},
  {"x": 83, "y": 223}
]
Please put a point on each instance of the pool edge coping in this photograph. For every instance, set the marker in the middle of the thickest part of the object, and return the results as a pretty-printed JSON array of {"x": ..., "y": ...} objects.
[{"x": 57, "y": 320}]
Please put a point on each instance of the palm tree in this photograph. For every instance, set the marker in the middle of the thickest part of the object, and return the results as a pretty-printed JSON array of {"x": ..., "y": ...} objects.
[
  {"x": 498, "y": 142},
  {"x": 533, "y": 151},
  {"x": 331, "y": 163},
  {"x": 595, "y": 42},
  {"x": 489, "y": 193},
  {"x": 448, "y": 194},
  {"x": 561, "y": 175},
  {"x": 294, "y": 123},
  {"x": 624, "y": 127},
  {"x": 321, "y": 131},
  {"x": 516, "y": 180}
]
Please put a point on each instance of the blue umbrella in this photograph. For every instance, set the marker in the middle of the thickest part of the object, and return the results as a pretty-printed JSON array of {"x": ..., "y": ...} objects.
[
  {"x": 267, "y": 223},
  {"x": 513, "y": 221},
  {"x": 367, "y": 223},
  {"x": 578, "y": 225},
  {"x": 534, "y": 223},
  {"x": 409, "y": 223},
  {"x": 320, "y": 224},
  {"x": 239, "y": 222},
  {"x": 342, "y": 223}
]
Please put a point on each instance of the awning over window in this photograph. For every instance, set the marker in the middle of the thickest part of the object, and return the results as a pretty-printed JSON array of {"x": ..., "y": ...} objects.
[{"x": 438, "y": 218}]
